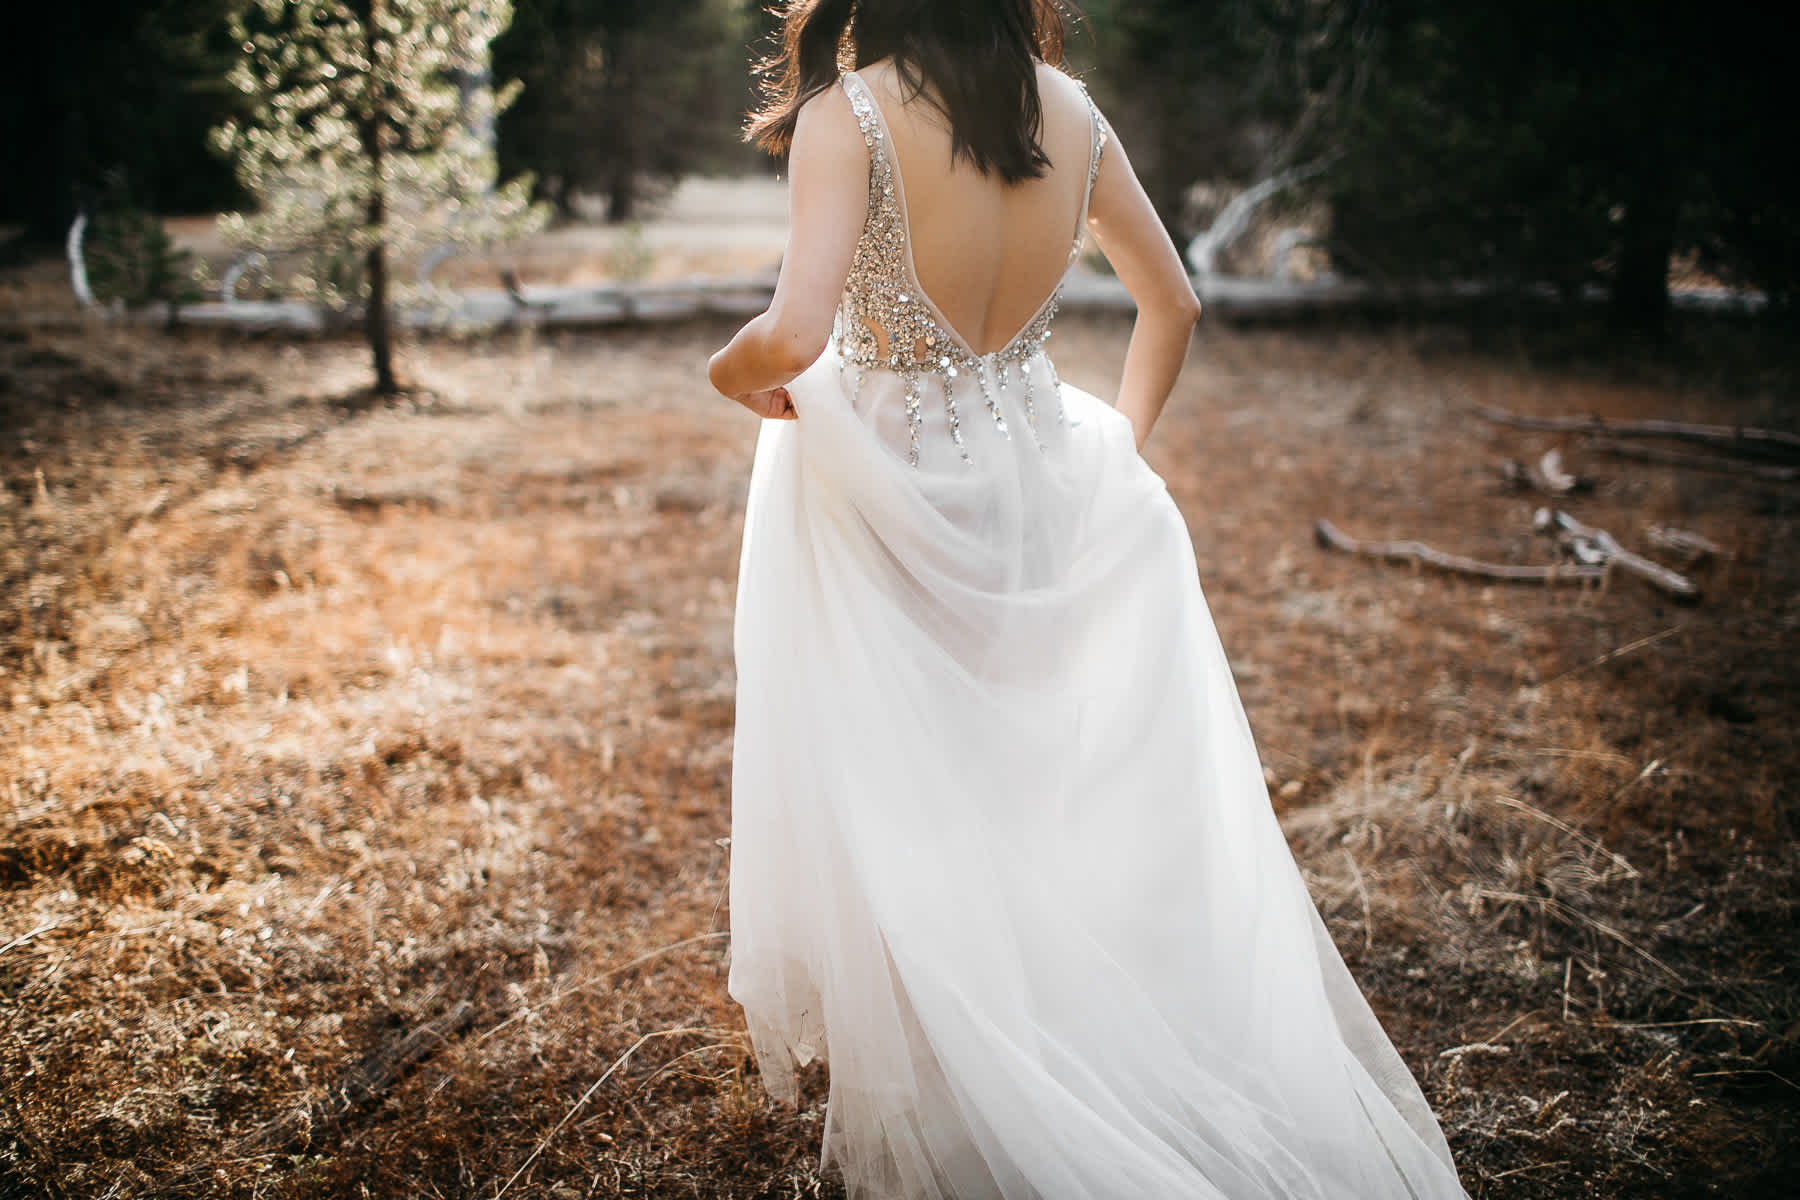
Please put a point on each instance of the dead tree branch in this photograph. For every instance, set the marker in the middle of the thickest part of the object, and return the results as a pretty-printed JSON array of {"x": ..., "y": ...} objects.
[
  {"x": 1738, "y": 439},
  {"x": 1597, "y": 547},
  {"x": 1333, "y": 538},
  {"x": 1698, "y": 462},
  {"x": 1692, "y": 547}
]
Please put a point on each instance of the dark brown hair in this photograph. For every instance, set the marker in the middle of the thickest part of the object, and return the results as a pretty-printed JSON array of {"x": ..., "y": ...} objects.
[{"x": 973, "y": 60}]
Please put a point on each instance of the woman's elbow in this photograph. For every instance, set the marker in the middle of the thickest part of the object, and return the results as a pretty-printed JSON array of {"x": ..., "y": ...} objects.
[
  {"x": 1184, "y": 307},
  {"x": 1172, "y": 305},
  {"x": 795, "y": 354}
]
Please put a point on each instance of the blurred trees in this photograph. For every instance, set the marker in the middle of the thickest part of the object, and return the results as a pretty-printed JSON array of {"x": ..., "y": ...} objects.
[
  {"x": 621, "y": 95},
  {"x": 105, "y": 87},
  {"x": 1528, "y": 141},
  {"x": 366, "y": 136},
  {"x": 1537, "y": 142},
  {"x": 1525, "y": 142},
  {"x": 1219, "y": 89}
]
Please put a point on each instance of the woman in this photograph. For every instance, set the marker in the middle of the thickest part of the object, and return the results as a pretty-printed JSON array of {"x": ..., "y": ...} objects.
[{"x": 1001, "y": 848}]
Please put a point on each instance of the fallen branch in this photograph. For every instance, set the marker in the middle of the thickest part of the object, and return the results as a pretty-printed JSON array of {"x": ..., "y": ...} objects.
[
  {"x": 1333, "y": 538},
  {"x": 1740, "y": 439},
  {"x": 367, "y": 1081},
  {"x": 1692, "y": 547},
  {"x": 1599, "y": 548},
  {"x": 1697, "y": 462}
]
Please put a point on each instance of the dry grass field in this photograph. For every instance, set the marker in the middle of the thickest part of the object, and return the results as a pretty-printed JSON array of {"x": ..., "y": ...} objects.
[{"x": 363, "y": 768}]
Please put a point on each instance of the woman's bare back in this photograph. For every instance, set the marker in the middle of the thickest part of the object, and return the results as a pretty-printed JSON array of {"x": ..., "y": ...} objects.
[{"x": 988, "y": 253}]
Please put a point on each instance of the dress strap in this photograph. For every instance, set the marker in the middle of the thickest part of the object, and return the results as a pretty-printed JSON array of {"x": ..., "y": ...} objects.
[
  {"x": 1098, "y": 136},
  {"x": 868, "y": 116}
]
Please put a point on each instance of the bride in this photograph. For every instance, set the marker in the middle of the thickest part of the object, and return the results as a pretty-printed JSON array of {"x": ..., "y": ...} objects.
[{"x": 1001, "y": 850}]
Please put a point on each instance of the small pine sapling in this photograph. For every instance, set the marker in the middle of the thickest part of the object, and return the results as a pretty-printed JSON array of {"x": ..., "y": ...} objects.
[{"x": 369, "y": 138}]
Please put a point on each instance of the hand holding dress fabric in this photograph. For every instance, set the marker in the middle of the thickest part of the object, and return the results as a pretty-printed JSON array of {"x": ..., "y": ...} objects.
[{"x": 771, "y": 404}]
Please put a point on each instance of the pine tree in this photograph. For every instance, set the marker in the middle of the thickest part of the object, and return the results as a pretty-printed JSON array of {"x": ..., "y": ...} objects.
[
  {"x": 622, "y": 96},
  {"x": 367, "y": 139}
]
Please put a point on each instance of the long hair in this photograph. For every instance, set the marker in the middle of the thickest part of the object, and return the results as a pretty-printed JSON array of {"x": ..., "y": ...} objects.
[{"x": 972, "y": 60}]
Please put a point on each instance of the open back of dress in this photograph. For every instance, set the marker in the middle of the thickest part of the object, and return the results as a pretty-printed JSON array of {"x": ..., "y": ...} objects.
[{"x": 1001, "y": 847}]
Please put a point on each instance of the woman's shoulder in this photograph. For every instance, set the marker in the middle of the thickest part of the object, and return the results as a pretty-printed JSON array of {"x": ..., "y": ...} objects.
[
  {"x": 1058, "y": 83},
  {"x": 828, "y": 117}
]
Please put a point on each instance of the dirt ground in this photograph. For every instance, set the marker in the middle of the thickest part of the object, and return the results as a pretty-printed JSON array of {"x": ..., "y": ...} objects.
[{"x": 363, "y": 767}]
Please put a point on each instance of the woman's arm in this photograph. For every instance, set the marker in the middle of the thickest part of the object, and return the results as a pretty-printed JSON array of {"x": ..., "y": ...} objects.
[
  {"x": 828, "y": 198},
  {"x": 1138, "y": 247}
]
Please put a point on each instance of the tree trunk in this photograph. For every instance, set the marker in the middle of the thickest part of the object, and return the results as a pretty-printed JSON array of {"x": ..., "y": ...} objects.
[
  {"x": 375, "y": 308},
  {"x": 1640, "y": 284},
  {"x": 375, "y": 314},
  {"x": 621, "y": 194}
]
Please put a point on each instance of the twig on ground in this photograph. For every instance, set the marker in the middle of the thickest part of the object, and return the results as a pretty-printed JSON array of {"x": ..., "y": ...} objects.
[
  {"x": 25, "y": 938},
  {"x": 1628, "y": 648},
  {"x": 1362, "y": 893},
  {"x": 618, "y": 970},
  {"x": 1693, "y": 548},
  {"x": 1598, "y": 547},
  {"x": 1558, "y": 823},
  {"x": 1660, "y": 456},
  {"x": 1571, "y": 913},
  {"x": 589, "y": 1095},
  {"x": 1333, "y": 538}
]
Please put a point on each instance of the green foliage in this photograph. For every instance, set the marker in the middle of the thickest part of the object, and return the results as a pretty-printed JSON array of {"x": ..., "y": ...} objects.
[
  {"x": 130, "y": 257},
  {"x": 365, "y": 135},
  {"x": 622, "y": 96}
]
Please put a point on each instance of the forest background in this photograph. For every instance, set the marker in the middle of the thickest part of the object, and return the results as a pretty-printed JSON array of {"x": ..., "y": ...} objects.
[
  {"x": 1530, "y": 143},
  {"x": 364, "y": 757}
]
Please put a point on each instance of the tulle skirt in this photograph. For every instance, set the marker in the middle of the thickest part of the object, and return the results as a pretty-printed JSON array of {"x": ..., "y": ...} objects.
[{"x": 1001, "y": 849}]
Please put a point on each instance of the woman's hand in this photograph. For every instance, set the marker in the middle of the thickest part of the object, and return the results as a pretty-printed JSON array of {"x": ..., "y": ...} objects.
[{"x": 771, "y": 404}]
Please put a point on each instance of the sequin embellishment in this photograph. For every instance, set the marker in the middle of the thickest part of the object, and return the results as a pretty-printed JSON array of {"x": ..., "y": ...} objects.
[{"x": 884, "y": 321}]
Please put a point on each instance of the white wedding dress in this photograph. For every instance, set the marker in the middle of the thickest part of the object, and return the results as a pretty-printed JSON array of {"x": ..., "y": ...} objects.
[{"x": 1001, "y": 848}]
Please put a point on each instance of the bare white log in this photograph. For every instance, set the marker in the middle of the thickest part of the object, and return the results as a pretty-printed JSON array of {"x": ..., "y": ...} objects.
[
  {"x": 1696, "y": 462},
  {"x": 1203, "y": 252},
  {"x": 1598, "y": 547},
  {"x": 1333, "y": 538},
  {"x": 1737, "y": 438},
  {"x": 78, "y": 275}
]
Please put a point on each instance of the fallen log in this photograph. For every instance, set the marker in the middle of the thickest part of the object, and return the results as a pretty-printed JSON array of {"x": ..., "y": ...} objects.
[
  {"x": 1773, "y": 443},
  {"x": 1333, "y": 538},
  {"x": 1599, "y": 548},
  {"x": 1698, "y": 462}
]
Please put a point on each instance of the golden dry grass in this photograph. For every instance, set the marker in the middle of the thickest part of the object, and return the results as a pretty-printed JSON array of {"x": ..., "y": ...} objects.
[{"x": 363, "y": 771}]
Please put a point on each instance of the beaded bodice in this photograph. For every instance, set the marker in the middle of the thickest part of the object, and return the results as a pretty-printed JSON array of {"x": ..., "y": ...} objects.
[{"x": 885, "y": 320}]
